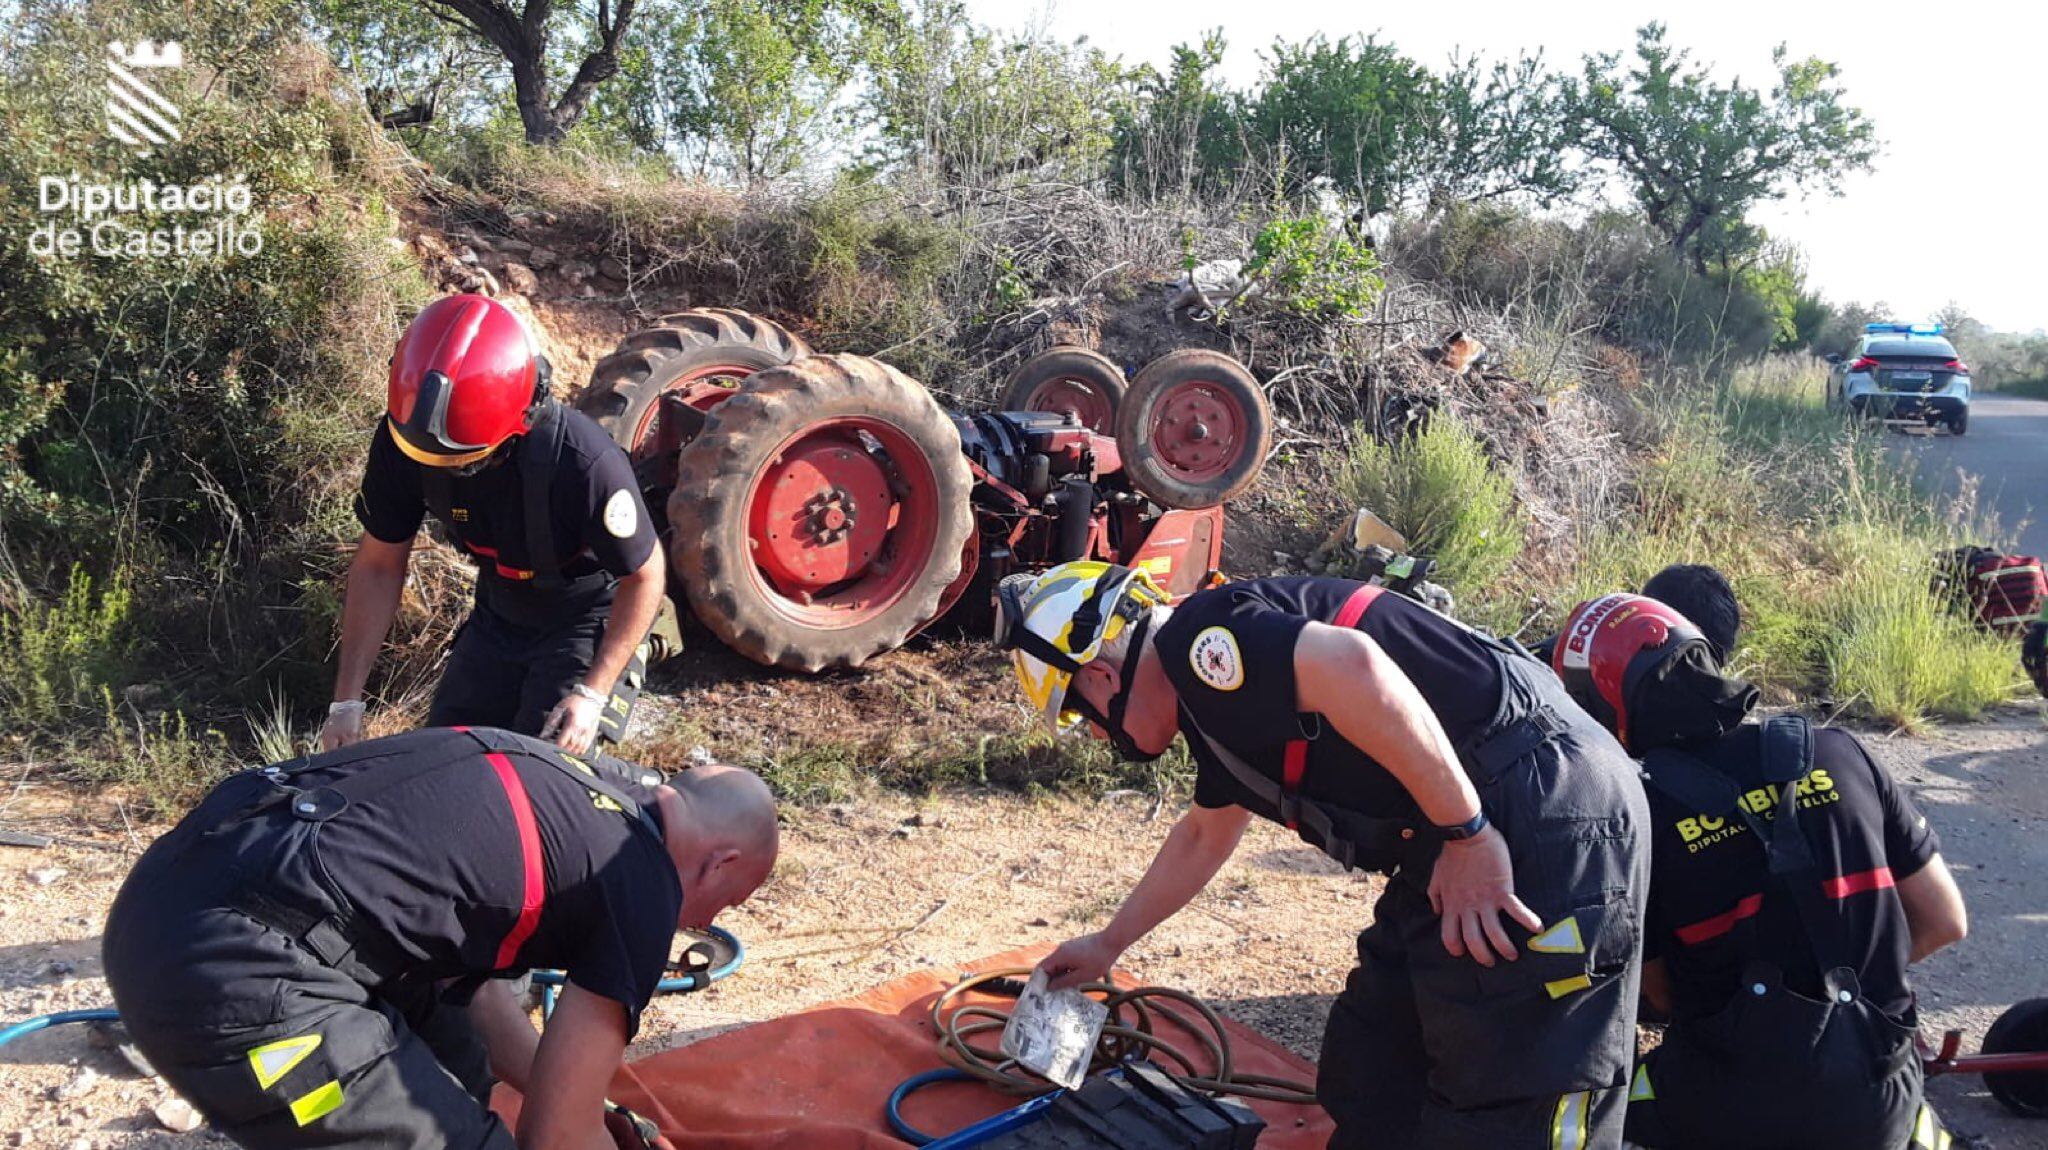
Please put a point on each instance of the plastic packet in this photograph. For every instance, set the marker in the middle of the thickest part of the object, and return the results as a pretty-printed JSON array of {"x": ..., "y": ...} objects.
[{"x": 1052, "y": 1033}]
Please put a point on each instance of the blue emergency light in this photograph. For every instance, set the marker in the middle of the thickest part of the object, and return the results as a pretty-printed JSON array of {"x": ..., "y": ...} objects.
[{"x": 1902, "y": 329}]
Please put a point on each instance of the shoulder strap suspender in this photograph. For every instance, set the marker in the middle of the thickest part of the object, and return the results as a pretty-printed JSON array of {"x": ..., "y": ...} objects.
[
  {"x": 537, "y": 458},
  {"x": 592, "y": 776},
  {"x": 1786, "y": 746}
]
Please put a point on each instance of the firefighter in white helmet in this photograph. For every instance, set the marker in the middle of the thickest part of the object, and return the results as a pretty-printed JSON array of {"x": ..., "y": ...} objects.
[{"x": 1494, "y": 1001}]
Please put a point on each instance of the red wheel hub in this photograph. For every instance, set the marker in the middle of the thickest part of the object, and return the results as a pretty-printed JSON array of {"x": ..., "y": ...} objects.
[
  {"x": 842, "y": 521},
  {"x": 702, "y": 389},
  {"x": 1075, "y": 397},
  {"x": 1197, "y": 431}
]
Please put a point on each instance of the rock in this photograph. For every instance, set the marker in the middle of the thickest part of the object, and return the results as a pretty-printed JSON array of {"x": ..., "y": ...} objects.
[
  {"x": 517, "y": 249},
  {"x": 47, "y": 875},
  {"x": 480, "y": 243},
  {"x": 548, "y": 219},
  {"x": 544, "y": 258},
  {"x": 177, "y": 1116},
  {"x": 468, "y": 256},
  {"x": 609, "y": 266},
  {"x": 606, "y": 285},
  {"x": 80, "y": 1085},
  {"x": 59, "y": 969},
  {"x": 521, "y": 279},
  {"x": 487, "y": 283},
  {"x": 904, "y": 832},
  {"x": 700, "y": 756},
  {"x": 578, "y": 270},
  {"x": 18, "y": 1138},
  {"x": 80, "y": 1143}
]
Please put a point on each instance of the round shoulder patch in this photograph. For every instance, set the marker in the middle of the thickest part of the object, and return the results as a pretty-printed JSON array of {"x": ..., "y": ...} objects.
[
  {"x": 1216, "y": 660},
  {"x": 622, "y": 514}
]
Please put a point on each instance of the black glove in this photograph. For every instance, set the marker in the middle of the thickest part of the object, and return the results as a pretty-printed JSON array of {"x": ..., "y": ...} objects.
[{"x": 2034, "y": 654}]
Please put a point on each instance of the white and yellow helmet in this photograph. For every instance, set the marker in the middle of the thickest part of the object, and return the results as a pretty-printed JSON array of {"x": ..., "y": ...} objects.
[{"x": 1058, "y": 622}]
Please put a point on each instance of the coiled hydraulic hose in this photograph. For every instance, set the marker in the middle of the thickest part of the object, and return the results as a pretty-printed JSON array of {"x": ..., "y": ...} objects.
[{"x": 1130, "y": 1035}]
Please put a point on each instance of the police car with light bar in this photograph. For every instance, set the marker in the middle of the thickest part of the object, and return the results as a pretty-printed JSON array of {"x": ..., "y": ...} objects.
[{"x": 1903, "y": 372}]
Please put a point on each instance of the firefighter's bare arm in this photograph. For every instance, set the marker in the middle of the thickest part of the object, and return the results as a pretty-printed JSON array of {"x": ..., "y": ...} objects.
[
  {"x": 376, "y": 578},
  {"x": 585, "y": 1041},
  {"x": 1934, "y": 908},
  {"x": 1197, "y": 847},
  {"x": 508, "y": 1035},
  {"x": 573, "y": 722},
  {"x": 1344, "y": 676},
  {"x": 1657, "y": 986}
]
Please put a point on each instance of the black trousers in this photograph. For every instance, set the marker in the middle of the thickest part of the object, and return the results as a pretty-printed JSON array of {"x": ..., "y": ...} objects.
[
  {"x": 1754, "y": 1076},
  {"x": 1426, "y": 1050},
  {"x": 500, "y": 674},
  {"x": 278, "y": 1049}
]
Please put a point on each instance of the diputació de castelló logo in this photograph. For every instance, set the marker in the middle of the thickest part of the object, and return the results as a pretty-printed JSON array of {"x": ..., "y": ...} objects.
[{"x": 142, "y": 218}]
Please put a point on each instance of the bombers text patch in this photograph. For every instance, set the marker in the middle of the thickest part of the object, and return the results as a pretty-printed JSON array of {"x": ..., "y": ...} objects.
[
  {"x": 1216, "y": 660},
  {"x": 621, "y": 518}
]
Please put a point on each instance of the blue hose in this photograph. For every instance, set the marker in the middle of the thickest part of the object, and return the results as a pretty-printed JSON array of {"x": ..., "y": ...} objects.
[
  {"x": 911, "y": 1085},
  {"x": 549, "y": 981},
  {"x": 46, "y": 1021}
]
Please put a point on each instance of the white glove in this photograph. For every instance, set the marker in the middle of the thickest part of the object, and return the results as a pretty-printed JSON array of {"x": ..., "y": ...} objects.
[
  {"x": 344, "y": 725},
  {"x": 573, "y": 722}
]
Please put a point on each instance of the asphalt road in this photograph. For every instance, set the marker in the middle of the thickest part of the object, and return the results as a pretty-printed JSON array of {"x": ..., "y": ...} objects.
[{"x": 2006, "y": 450}]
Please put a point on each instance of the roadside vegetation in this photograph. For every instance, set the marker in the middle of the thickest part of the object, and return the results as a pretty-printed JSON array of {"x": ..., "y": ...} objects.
[{"x": 179, "y": 439}]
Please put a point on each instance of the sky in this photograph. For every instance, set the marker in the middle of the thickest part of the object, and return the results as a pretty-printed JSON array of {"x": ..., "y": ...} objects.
[{"x": 1957, "y": 208}]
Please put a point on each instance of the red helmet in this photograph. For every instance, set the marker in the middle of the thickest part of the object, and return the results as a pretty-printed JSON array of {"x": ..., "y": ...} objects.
[
  {"x": 1610, "y": 645},
  {"x": 465, "y": 378}
]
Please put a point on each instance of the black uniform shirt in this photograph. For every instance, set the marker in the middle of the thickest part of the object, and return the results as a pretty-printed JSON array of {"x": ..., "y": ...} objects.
[
  {"x": 436, "y": 864},
  {"x": 1229, "y": 653},
  {"x": 1708, "y": 915},
  {"x": 600, "y": 522}
]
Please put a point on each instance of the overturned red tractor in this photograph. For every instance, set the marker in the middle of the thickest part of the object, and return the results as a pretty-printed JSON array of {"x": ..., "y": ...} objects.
[{"x": 821, "y": 510}]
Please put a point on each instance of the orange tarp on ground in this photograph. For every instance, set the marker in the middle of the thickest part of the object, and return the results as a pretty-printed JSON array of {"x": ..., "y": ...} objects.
[{"x": 820, "y": 1080}]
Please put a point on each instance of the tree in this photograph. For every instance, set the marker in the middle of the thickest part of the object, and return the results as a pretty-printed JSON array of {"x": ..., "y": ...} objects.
[
  {"x": 1497, "y": 131},
  {"x": 523, "y": 36},
  {"x": 1699, "y": 154},
  {"x": 1355, "y": 113},
  {"x": 413, "y": 69},
  {"x": 1176, "y": 131}
]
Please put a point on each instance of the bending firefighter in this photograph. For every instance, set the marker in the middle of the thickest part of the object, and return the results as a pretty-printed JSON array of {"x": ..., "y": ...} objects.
[
  {"x": 569, "y": 576},
  {"x": 1792, "y": 883},
  {"x": 1494, "y": 1000},
  {"x": 308, "y": 957}
]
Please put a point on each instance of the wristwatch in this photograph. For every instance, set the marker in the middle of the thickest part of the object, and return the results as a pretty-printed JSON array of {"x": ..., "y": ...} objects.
[{"x": 1462, "y": 831}]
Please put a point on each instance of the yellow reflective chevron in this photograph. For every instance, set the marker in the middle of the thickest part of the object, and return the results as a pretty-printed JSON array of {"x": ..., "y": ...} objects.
[
  {"x": 1569, "y": 1122},
  {"x": 1928, "y": 1133},
  {"x": 1639, "y": 1089},
  {"x": 1560, "y": 938},
  {"x": 274, "y": 1060},
  {"x": 319, "y": 1101},
  {"x": 1563, "y": 986}
]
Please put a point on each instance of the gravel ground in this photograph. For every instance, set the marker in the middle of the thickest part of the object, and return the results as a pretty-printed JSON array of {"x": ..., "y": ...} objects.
[{"x": 875, "y": 889}]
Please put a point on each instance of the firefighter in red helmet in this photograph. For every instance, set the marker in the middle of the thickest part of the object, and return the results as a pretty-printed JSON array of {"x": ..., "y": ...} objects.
[
  {"x": 1791, "y": 884},
  {"x": 569, "y": 573}
]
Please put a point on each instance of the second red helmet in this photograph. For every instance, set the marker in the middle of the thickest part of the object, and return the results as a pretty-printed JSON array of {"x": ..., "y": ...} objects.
[
  {"x": 1610, "y": 645},
  {"x": 466, "y": 377}
]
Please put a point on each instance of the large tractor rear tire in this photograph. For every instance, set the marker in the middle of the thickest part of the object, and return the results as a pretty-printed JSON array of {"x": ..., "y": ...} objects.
[
  {"x": 712, "y": 346},
  {"x": 821, "y": 514},
  {"x": 1194, "y": 429},
  {"x": 2020, "y": 1030},
  {"x": 1071, "y": 381}
]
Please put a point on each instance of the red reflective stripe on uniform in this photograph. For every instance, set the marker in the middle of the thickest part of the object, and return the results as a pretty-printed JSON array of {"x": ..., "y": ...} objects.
[
  {"x": 535, "y": 894},
  {"x": 1720, "y": 924},
  {"x": 1292, "y": 767},
  {"x": 492, "y": 555},
  {"x": 1355, "y": 607},
  {"x": 1848, "y": 884}
]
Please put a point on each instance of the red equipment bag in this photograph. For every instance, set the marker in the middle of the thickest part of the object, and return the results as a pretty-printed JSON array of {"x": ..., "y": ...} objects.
[{"x": 2004, "y": 592}]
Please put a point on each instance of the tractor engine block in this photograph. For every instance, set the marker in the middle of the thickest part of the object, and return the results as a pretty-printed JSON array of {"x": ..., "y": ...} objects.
[{"x": 1032, "y": 450}]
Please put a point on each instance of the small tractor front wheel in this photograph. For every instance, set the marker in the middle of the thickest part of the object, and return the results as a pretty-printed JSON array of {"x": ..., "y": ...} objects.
[
  {"x": 2020, "y": 1030},
  {"x": 1071, "y": 381},
  {"x": 820, "y": 515},
  {"x": 1194, "y": 429}
]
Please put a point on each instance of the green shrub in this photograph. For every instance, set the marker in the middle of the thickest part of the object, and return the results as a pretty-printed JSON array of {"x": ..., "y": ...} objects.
[
  {"x": 58, "y": 658},
  {"x": 1440, "y": 490},
  {"x": 1895, "y": 651},
  {"x": 1304, "y": 266}
]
